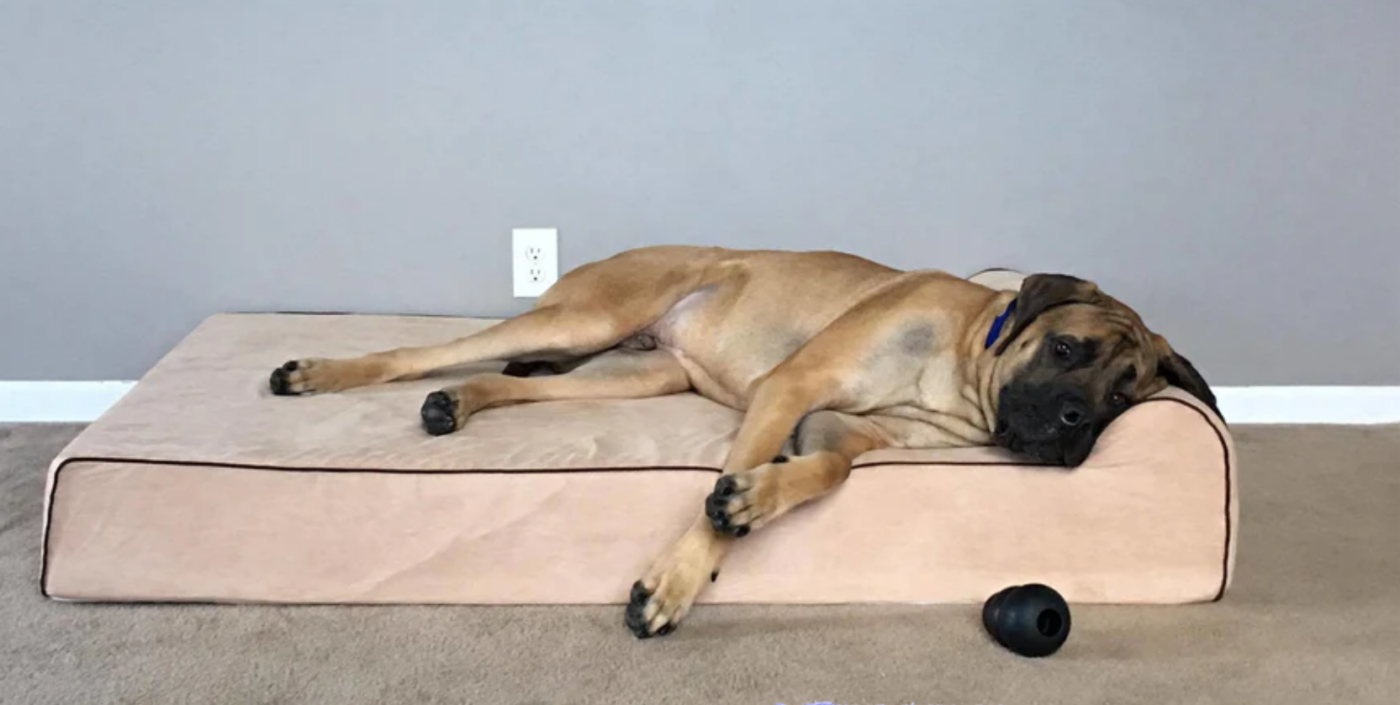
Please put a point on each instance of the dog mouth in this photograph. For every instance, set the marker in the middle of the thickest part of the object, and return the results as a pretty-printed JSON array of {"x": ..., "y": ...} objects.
[{"x": 1042, "y": 442}]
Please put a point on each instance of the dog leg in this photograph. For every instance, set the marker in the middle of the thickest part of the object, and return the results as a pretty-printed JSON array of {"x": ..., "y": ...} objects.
[
  {"x": 551, "y": 331},
  {"x": 616, "y": 374},
  {"x": 661, "y": 599},
  {"x": 590, "y": 309},
  {"x": 665, "y": 594},
  {"x": 827, "y": 442}
]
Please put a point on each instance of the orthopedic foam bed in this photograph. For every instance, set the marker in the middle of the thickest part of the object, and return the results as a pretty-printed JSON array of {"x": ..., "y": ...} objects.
[{"x": 201, "y": 486}]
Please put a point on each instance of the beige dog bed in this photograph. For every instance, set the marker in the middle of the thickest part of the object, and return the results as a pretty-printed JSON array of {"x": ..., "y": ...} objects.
[{"x": 202, "y": 486}]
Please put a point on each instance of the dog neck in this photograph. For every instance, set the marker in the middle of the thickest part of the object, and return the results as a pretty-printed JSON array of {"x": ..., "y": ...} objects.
[
  {"x": 998, "y": 323},
  {"x": 984, "y": 371}
]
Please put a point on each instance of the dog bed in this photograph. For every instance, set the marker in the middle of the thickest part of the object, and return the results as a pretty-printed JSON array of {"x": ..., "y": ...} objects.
[{"x": 200, "y": 485}]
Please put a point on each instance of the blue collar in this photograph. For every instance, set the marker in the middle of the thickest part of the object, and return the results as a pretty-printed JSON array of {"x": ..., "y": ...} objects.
[{"x": 1000, "y": 321}]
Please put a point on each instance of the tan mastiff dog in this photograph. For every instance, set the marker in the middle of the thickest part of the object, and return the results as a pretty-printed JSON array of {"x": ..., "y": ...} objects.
[{"x": 829, "y": 355}]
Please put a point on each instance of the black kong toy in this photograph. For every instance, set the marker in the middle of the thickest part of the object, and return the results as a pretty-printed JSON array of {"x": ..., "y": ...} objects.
[{"x": 1031, "y": 620}]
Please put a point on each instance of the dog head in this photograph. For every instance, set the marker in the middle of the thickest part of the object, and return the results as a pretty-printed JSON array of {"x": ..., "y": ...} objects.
[{"x": 1074, "y": 359}]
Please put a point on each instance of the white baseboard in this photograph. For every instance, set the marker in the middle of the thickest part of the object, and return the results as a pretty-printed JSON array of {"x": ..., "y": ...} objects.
[
  {"x": 27, "y": 402},
  {"x": 52, "y": 402},
  {"x": 1296, "y": 405}
]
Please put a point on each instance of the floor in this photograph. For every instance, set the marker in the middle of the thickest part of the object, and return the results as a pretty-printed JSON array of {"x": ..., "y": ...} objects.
[{"x": 1314, "y": 617}]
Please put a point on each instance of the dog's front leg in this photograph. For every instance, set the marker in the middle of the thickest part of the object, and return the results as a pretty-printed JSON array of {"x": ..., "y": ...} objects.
[
  {"x": 665, "y": 594},
  {"x": 661, "y": 599},
  {"x": 859, "y": 361},
  {"x": 826, "y": 443}
]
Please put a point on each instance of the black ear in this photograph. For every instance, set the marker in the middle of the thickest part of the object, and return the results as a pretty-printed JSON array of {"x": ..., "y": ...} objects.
[
  {"x": 1042, "y": 292},
  {"x": 1179, "y": 372}
]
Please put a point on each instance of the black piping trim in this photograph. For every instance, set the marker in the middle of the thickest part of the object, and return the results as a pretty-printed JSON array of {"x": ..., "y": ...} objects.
[
  {"x": 375, "y": 471},
  {"x": 1229, "y": 524},
  {"x": 53, "y": 490},
  {"x": 955, "y": 463}
]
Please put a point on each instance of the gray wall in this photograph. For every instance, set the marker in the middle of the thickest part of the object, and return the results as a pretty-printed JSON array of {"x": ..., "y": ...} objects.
[{"x": 1232, "y": 169}]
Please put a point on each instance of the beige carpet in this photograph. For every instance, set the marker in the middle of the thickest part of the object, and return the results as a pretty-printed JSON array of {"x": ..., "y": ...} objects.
[{"x": 1314, "y": 617}]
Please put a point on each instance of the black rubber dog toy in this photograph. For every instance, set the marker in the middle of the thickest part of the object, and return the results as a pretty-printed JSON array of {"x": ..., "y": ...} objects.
[{"x": 1031, "y": 620}]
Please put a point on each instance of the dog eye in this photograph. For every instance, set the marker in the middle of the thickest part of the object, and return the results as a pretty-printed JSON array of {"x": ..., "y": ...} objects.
[
  {"x": 1118, "y": 399},
  {"x": 1063, "y": 351}
]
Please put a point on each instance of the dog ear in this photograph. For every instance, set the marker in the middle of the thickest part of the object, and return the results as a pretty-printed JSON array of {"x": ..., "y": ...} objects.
[
  {"x": 1042, "y": 292},
  {"x": 1180, "y": 373}
]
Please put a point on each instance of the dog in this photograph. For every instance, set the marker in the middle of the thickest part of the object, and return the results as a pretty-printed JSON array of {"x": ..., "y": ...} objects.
[{"x": 829, "y": 356}]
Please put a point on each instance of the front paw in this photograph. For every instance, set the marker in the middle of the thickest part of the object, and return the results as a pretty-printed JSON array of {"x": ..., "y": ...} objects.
[
  {"x": 659, "y": 609},
  {"x": 641, "y": 611},
  {"x": 742, "y": 501},
  {"x": 661, "y": 599}
]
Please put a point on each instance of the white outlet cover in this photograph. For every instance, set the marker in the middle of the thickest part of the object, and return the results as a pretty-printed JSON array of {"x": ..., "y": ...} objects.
[{"x": 534, "y": 260}]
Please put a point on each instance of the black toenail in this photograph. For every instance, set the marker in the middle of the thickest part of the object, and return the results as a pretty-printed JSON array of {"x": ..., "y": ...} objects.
[
  {"x": 638, "y": 627},
  {"x": 714, "y": 576},
  {"x": 714, "y": 506},
  {"x": 779, "y": 459},
  {"x": 290, "y": 366},
  {"x": 666, "y": 628},
  {"x": 725, "y": 486},
  {"x": 717, "y": 507},
  {"x": 278, "y": 382},
  {"x": 635, "y": 614}
]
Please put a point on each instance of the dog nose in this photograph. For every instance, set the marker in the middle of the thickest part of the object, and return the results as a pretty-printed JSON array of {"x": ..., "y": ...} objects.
[{"x": 1072, "y": 413}]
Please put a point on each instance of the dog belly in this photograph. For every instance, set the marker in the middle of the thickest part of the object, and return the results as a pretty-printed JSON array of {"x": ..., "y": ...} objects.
[
  {"x": 705, "y": 384},
  {"x": 754, "y": 311},
  {"x": 723, "y": 352}
]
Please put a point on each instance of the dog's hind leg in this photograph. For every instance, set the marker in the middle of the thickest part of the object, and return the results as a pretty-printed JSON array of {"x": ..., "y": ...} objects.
[
  {"x": 590, "y": 309},
  {"x": 561, "y": 332},
  {"x": 575, "y": 319},
  {"x": 615, "y": 374}
]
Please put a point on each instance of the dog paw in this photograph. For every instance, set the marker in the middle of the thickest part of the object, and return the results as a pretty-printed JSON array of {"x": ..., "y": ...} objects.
[
  {"x": 639, "y": 605},
  {"x": 657, "y": 611},
  {"x": 442, "y": 412},
  {"x": 741, "y": 502},
  {"x": 661, "y": 599},
  {"x": 301, "y": 377}
]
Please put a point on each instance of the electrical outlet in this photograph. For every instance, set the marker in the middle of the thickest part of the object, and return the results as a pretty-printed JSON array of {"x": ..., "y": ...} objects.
[{"x": 535, "y": 260}]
